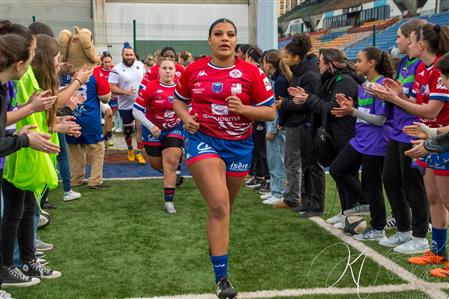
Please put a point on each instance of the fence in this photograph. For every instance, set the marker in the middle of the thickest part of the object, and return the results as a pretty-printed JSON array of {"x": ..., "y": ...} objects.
[{"x": 146, "y": 38}]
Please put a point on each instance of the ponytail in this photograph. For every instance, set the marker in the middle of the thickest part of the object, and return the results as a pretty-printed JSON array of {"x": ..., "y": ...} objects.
[
  {"x": 436, "y": 37},
  {"x": 274, "y": 58},
  {"x": 384, "y": 65}
]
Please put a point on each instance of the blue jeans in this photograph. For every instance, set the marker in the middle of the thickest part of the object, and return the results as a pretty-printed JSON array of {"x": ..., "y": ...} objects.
[
  {"x": 64, "y": 164},
  {"x": 275, "y": 161}
]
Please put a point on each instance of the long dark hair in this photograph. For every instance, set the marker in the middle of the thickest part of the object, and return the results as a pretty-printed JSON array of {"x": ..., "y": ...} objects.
[
  {"x": 44, "y": 69},
  {"x": 384, "y": 65},
  {"x": 336, "y": 60},
  {"x": 13, "y": 48},
  {"x": 274, "y": 58},
  {"x": 437, "y": 37}
]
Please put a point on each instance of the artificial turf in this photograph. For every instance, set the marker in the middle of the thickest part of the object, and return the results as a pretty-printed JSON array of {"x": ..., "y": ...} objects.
[{"x": 118, "y": 242}]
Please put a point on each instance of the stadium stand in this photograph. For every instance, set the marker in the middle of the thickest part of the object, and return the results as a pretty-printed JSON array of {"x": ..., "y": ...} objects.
[{"x": 386, "y": 39}]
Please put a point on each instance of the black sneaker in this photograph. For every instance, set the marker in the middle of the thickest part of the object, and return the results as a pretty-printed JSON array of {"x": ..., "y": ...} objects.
[
  {"x": 225, "y": 290},
  {"x": 35, "y": 269},
  {"x": 13, "y": 277},
  {"x": 254, "y": 183},
  {"x": 101, "y": 186},
  {"x": 179, "y": 180}
]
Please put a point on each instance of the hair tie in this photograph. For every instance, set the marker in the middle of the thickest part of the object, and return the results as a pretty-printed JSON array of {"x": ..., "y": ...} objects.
[
  {"x": 126, "y": 45},
  {"x": 437, "y": 28},
  {"x": 105, "y": 53}
]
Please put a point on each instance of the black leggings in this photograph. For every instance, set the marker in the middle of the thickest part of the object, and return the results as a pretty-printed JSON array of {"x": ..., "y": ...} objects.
[
  {"x": 348, "y": 161},
  {"x": 405, "y": 190},
  {"x": 260, "y": 150},
  {"x": 17, "y": 223}
]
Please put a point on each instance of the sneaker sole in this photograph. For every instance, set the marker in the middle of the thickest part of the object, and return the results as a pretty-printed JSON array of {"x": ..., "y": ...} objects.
[
  {"x": 253, "y": 186},
  {"x": 390, "y": 245},
  {"x": 56, "y": 274},
  {"x": 357, "y": 214},
  {"x": 22, "y": 285},
  {"x": 44, "y": 249},
  {"x": 411, "y": 252},
  {"x": 71, "y": 199}
]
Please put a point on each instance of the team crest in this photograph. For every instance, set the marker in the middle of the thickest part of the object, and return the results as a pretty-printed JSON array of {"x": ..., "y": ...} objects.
[
  {"x": 170, "y": 99},
  {"x": 217, "y": 87},
  {"x": 235, "y": 73}
]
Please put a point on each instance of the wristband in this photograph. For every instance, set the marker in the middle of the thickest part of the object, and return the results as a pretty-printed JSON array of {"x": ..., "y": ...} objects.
[{"x": 79, "y": 81}]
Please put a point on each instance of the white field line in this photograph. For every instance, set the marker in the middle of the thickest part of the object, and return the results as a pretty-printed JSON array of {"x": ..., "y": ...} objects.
[
  {"x": 431, "y": 289},
  {"x": 308, "y": 292}
]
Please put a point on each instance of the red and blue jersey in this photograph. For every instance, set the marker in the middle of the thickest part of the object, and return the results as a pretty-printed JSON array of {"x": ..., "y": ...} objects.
[
  {"x": 428, "y": 86},
  {"x": 206, "y": 87},
  {"x": 113, "y": 102},
  {"x": 155, "y": 99},
  {"x": 88, "y": 113},
  {"x": 153, "y": 73}
]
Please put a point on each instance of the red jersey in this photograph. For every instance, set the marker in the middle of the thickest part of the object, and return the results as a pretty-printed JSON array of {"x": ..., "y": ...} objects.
[
  {"x": 428, "y": 86},
  {"x": 103, "y": 72},
  {"x": 156, "y": 100},
  {"x": 153, "y": 74},
  {"x": 207, "y": 86}
]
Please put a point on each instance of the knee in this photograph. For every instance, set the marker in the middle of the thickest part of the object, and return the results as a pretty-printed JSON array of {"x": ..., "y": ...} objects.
[
  {"x": 108, "y": 114},
  {"x": 433, "y": 197},
  {"x": 219, "y": 210}
]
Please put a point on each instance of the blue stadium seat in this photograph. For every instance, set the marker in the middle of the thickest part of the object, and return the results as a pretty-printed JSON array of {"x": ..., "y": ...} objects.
[{"x": 387, "y": 38}]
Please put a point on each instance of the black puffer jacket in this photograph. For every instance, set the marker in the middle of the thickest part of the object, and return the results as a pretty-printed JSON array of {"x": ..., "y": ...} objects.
[
  {"x": 306, "y": 74},
  {"x": 345, "y": 82}
]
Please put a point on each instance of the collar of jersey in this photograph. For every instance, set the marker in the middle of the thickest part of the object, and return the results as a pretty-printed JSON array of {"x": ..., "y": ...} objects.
[
  {"x": 167, "y": 85},
  {"x": 219, "y": 67}
]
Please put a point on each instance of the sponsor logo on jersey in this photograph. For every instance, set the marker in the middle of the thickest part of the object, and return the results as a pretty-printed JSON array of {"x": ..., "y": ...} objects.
[
  {"x": 219, "y": 109},
  {"x": 440, "y": 84},
  {"x": 267, "y": 84},
  {"x": 236, "y": 88},
  {"x": 169, "y": 113},
  {"x": 217, "y": 87},
  {"x": 201, "y": 74},
  {"x": 235, "y": 73},
  {"x": 197, "y": 89}
]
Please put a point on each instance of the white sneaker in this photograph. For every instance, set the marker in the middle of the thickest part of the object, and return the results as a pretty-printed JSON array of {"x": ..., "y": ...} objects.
[
  {"x": 340, "y": 224},
  {"x": 371, "y": 234},
  {"x": 266, "y": 195},
  {"x": 397, "y": 239},
  {"x": 4, "y": 295},
  {"x": 414, "y": 246},
  {"x": 272, "y": 200},
  {"x": 359, "y": 210},
  {"x": 119, "y": 130},
  {"x": 170, "y": 207},
  {"x": 335, "y": 219},
  {"x": 71, "y": 195}
]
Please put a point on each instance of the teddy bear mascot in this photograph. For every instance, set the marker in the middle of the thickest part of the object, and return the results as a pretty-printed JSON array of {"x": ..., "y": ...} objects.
[{"x": 78, "y": 50}]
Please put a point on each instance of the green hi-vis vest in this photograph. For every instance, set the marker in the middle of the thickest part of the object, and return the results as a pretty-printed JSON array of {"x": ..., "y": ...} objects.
[{"x": 30, "y": 169}]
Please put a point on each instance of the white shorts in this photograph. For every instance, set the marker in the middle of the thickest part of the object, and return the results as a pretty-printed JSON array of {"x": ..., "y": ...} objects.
[{"x": 104, "y": 107}]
